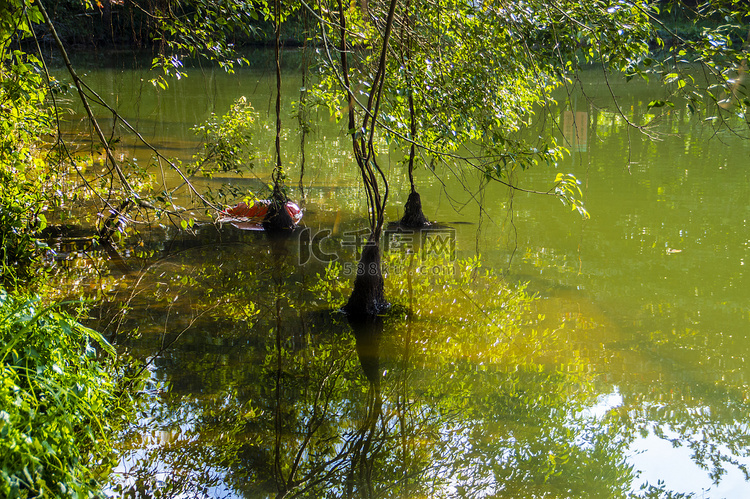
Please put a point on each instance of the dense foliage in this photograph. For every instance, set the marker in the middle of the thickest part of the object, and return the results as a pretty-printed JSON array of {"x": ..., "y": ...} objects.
[
  {"x": 457, "y": 82},
  {"x": 57, "y": 403},
  {"x": 23, "y": 174}
]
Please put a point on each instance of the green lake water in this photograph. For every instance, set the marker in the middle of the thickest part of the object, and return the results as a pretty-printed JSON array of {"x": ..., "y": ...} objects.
[{"x": 629, "y": 367}]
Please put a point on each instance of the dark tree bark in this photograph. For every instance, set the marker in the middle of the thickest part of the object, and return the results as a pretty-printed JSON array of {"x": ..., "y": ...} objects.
[
  {"x": 413, "y": 216},
  {"x": 368, "y": 296},
  {"x": 277, "y": 217}
]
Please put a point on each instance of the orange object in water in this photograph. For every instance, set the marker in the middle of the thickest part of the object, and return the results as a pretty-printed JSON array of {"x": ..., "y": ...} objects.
[{"x": 257, "y": 211}]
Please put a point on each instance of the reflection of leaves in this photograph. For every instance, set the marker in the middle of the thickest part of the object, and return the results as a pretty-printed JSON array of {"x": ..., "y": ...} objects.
[
  {"x": 507, "y": 423},
  {"x": 685, "y": 403},
  {"x": 709, "y": 422},
  {"x": 659, "y": 491},
  {"x": 196, "y": 442},
  {"x": 331, "y": 288},
  {"x": 465, "y": 393}
]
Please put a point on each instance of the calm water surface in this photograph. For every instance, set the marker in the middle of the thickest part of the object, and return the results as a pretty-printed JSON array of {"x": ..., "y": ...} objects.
[{"x": 630, "y": 367}]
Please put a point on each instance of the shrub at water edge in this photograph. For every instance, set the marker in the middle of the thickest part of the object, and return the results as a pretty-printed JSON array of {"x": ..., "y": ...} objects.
[{"x": 57, "y": 403}]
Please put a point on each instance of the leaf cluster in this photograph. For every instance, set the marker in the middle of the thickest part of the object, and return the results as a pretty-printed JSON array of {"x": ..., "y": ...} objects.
[
  {"x": 57, "y": 402},
  {"x": 197, "y": 29},
  {"x": 23, "y": 173},
  {"x": 465, "y": 80},
  {"x": 227, "y": 141}
]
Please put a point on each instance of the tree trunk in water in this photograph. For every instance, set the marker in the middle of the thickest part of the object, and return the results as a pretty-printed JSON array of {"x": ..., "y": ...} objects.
[
  {"x": 277, "y": 217},
  {"x": 413, "y": 216},
  {"x": 368, "y": 296}
]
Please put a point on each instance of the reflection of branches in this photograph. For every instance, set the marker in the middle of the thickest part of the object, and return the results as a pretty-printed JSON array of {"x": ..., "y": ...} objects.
[
  {"x": 164, "y": 347},
  {"x": 368, "y": 334},
  {"x": 362, "y": 458},
  {"x": 320, "y": 410},
  {"x": 355, "y": 452},
  {"x": 710, "y": 422},
  {"x": 454, "y": 401}
]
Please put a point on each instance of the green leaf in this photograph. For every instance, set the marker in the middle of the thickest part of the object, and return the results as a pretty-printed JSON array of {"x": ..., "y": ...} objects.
[{"x": 660, "y": 103}]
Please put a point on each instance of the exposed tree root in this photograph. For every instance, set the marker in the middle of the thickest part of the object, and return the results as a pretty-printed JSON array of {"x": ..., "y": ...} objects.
[
  {"x": 413, "y": 216},
  {"x": 368, "y": 296},
  {"x": 277, "y": 217}
]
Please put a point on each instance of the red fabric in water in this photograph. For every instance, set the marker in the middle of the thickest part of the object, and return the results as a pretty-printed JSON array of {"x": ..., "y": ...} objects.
[{"x": 257, "y": 211}]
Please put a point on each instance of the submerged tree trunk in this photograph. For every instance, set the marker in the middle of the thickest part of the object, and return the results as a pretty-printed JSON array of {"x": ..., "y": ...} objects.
[
  {"x": 368, "y": 296},
  {"x": 278, "y": 217},
  {"x": 413, "y": 216}
]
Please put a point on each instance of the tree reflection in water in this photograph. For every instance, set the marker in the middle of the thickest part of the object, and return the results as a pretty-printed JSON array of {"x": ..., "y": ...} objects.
[{"x": 266, "y": 390}]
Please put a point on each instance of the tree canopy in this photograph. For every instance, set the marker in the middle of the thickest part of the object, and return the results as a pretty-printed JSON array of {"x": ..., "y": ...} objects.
[{"x": 459, "y": 81}]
